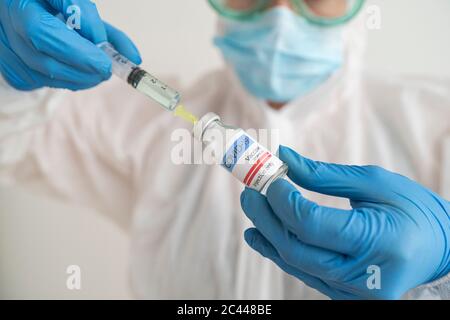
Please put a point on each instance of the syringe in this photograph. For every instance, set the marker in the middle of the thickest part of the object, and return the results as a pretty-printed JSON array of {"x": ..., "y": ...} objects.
[{"x": 140, "y": 79}]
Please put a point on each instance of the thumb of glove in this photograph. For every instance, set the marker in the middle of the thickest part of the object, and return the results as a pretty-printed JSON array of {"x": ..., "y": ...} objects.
[
  {"x": 353, "y": 182},
  {"x": 86, "y": 17}
]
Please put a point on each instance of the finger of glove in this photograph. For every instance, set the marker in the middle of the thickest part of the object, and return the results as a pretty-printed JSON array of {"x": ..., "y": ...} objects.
[
  {"x": 13, "y": 78},
  {"x": 83, "y": 16},
  {"x": 49, "y": 35},
  {"x": 71, "y": 86},
  {"x": 34, "y": 80},
  {"x": 52, "y": 68},
  {"x": 312, "y": 260},
  {"x": 353, "y": 182},
  {"x": 260, "y": 244},
  {"x": 122, "y": 43},
  {"x": 329, "y": 228},
  {"x": 14, "y": 71}
]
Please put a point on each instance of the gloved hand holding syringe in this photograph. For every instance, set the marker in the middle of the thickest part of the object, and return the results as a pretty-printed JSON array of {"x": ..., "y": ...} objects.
[
  {"x": 145, "y": 83},
  {"x": 238, "y": 153}
]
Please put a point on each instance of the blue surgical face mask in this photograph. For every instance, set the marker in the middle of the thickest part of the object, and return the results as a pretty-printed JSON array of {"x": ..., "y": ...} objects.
[{"x": 281, "y": 56}]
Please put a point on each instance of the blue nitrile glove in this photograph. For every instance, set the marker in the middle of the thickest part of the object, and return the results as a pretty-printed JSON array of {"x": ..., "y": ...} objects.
[
  {"x": 37, "y": 49},
  {"x": 396, "y": 225}
]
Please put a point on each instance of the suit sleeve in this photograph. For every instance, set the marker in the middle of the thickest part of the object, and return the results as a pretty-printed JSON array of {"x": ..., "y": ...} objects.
[{"x": 86, "y": 147}]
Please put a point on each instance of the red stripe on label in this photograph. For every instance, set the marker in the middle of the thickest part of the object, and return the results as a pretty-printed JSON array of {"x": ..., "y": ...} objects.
[
  {"x": 256, "y": 164},
  {"x": 258, "y": 168}
]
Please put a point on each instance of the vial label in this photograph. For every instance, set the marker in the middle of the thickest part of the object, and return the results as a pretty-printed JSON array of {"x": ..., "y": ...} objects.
[{"x": 250, "y": 162}]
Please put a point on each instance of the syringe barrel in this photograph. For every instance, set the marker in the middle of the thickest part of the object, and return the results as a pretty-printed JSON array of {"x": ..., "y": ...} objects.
[
  {"x": 121, "y": 66},
  {"x": 152, "y": 87},
  {"x": 140, "y": 79}
]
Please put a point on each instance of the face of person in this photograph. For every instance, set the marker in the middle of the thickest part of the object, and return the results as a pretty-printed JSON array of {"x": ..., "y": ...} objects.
[
  {"x": 324, "y": 8},
  {"x": 271, "y": 62}
]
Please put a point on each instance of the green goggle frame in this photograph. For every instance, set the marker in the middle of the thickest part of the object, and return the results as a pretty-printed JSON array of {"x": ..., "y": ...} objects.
[{"x": 299, "y": 5}]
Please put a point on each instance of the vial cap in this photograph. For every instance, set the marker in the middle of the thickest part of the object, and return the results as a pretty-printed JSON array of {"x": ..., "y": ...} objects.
[{"x": 203, "y": 123}]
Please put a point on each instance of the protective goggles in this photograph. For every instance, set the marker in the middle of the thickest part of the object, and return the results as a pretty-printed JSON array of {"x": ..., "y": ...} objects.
[{"x": 325, "y": 13}]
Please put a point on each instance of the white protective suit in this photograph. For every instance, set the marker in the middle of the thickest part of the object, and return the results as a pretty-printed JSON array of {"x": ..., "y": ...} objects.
[{"x": 110, "y": 148}]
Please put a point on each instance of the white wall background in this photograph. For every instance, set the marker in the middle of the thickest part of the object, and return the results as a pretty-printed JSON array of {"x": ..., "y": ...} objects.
[{"x": 39, "y": 238}]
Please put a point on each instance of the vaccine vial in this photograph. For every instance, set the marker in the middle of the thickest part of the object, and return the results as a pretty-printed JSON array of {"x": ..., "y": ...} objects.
[{"x": 238, "y": 153}]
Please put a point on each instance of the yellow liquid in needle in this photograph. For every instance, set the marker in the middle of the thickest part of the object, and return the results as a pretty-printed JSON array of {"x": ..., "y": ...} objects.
[{"x": 181, "y": 112}]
